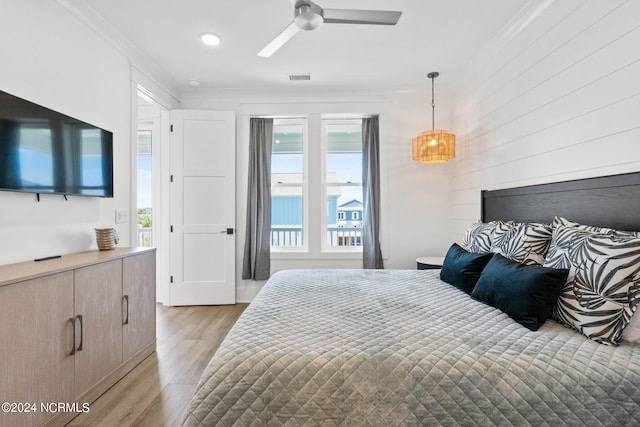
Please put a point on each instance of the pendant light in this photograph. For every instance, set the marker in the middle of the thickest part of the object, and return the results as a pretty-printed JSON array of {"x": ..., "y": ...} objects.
[{"x": 434, "y": 146}]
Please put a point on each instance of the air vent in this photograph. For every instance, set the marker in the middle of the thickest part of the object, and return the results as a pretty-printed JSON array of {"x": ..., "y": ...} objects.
[{"x": 299, "y": 77}]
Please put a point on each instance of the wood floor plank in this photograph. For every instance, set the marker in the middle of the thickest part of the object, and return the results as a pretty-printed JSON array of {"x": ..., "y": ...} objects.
[
  {"x": 118, "y": 406},
  {"x": 166, "y": 409},
  {"x": 156, "y": 391}
]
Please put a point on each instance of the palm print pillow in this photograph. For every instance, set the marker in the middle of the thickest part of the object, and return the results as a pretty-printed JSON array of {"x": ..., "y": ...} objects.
[
  {"x": 603, "y": 286},
  {"x": 526, "y": 243},
  {"x": 479, "y": 236},
  {"x": 558, "y": 221}
]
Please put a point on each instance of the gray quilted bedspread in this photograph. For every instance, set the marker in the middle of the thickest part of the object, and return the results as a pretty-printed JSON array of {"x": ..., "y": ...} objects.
[{"x": 385, "y": 347}]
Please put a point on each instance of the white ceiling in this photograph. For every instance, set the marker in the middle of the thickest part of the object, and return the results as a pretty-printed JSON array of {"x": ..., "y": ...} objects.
[{"x": 431, "y": 35}]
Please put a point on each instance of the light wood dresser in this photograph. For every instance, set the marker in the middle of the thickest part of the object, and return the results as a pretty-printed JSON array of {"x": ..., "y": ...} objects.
[{"x": 70, "y": 328}]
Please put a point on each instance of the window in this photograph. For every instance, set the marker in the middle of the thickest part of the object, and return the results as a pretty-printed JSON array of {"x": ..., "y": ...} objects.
[
  {"x": 343, "y": 183},
  {"x": 145, "y": 188},
  {"x": 288, "y": 185},
  {"x": 316, "y": 186}
]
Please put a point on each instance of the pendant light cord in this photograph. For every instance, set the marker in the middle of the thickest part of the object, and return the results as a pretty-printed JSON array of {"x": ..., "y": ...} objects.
[{"x": 433, "y": 105}]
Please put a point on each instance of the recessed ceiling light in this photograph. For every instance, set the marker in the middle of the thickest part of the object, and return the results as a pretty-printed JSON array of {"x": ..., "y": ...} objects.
[
  {"x": 194, "y": 83},
  {"x": 210, "y": 39}
]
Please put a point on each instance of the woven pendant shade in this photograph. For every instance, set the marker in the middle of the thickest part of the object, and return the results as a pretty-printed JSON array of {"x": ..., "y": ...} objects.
[{"x": 436, "y": 146}]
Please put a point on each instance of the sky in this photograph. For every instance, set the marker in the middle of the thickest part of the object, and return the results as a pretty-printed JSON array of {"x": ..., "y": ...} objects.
[{"x": 144, "y": 181}]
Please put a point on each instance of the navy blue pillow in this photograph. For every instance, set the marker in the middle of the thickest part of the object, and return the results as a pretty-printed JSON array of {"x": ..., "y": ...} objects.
[
  {"x": 462, "y": 269},
  {"x": 527, "y": 293}
]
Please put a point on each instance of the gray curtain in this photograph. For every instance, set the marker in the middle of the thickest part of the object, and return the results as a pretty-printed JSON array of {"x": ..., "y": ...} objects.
[
  {"x": 371, "y": 253},
  {"x": 257, "y": 255}
]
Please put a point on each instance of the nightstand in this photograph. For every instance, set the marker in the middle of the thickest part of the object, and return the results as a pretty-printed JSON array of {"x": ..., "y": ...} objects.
[{"x": 429, "y": 262}]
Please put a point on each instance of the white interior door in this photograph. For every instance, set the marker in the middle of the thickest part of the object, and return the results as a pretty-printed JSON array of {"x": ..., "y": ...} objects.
[{"x": 202, "y": 207}]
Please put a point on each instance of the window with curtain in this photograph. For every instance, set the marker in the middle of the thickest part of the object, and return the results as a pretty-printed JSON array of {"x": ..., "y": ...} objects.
[
  {"x": 324, "y": 192},
  {"x": 288, "y": 187},
  {"x": 342, "y": 183}
]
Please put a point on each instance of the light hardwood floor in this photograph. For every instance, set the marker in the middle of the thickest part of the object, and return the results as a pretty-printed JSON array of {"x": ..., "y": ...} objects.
[{"x": 157, "y": 390}]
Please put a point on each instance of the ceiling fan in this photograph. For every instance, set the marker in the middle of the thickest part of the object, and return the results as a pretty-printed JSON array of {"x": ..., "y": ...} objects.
[{"x": 309, "y": 16}]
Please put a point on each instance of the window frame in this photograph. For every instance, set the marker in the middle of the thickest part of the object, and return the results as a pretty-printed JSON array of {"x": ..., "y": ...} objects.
[
  {"x": 304, "y": 248},
  {"x": 325, "y": 247}
]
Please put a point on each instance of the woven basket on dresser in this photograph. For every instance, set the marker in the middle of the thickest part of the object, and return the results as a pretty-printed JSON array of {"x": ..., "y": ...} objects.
[{"x": 107, "y": 238}]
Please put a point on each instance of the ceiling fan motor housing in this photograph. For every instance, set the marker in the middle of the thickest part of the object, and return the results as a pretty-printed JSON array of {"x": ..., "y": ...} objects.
[{"x": 308, "y": 15}]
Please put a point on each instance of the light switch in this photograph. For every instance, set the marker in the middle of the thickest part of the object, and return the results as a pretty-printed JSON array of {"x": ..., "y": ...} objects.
[{"x": 122, "y": 216}]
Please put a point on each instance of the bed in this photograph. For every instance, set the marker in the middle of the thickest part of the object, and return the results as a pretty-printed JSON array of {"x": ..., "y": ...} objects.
[{"x": 402, "y": 347}]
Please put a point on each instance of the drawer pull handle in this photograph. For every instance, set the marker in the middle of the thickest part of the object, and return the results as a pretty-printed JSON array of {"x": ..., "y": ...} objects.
[
  {"x": 79, "y": 317},
  {"x": 126, "y": 298},
  {"x": 73, "y": 327}
]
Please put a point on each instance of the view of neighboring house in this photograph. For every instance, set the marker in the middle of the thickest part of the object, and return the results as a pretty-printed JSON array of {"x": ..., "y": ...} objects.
[
  {"x": 349, "y": 223},
  {"x": 350, "y": 214},
  {"x": 287, "y": 210},
  {"x": 287, "y": 213}
]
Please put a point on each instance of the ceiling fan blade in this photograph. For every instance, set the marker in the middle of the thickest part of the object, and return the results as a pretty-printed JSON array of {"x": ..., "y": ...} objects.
[
  {"x": 279, "y": 40},
  {"x": 354, "y": 16}
]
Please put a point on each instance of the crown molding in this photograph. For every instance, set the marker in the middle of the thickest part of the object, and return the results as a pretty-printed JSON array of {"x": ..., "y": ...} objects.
[{"x": 136, "y": 58}]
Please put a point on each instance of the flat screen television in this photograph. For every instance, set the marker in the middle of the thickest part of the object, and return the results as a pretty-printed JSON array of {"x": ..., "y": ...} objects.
[{"x": 46, "y": 152}]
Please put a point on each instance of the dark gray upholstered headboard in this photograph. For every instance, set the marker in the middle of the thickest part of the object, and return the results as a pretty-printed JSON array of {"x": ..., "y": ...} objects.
[{"x": 609, "y": 201}]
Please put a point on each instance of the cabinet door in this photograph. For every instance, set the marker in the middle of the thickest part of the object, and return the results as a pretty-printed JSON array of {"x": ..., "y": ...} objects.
[
  {"x": 139, "y": 289},
  {"x": 98, "y": 307},
  {"x": 36, "y": 339}
]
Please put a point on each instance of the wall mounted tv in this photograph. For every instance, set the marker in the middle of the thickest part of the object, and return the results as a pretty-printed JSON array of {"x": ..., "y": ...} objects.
[{"x": 46, "y": 152}]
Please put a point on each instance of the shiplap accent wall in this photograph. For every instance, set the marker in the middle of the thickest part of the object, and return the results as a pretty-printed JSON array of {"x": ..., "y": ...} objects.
[{"x": 556, "y": 96}]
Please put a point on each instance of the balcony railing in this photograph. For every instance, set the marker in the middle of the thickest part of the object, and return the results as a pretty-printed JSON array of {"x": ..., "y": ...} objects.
[
  {"x": 287, "y": 236},
  {"x": 145, "y": 236},
  {"x": 290, "y": 236},
  {"x": 338, "y": 236}
]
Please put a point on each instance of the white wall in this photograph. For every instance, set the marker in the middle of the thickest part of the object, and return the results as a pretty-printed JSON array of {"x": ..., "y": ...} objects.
[
  {"x": 59, "y": 61},
  {"x": 51, "y": 58},
  {"x": 553, "y": 98},
  {"x": 415, "y": 198}
]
